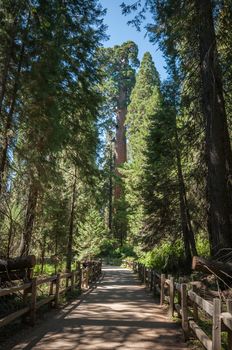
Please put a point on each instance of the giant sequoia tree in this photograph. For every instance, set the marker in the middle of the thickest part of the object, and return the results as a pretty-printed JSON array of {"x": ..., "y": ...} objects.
[{"x": 119, "y": 64}]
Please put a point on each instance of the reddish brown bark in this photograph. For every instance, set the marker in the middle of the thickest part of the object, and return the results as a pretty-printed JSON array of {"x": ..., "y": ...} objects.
[{"x": 120, "y": 140}]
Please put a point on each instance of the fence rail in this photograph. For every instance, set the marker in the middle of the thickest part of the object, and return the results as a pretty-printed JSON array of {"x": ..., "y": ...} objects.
[
  {"x": 183, "y": 299},
  {"x": 80, "y": 279}
]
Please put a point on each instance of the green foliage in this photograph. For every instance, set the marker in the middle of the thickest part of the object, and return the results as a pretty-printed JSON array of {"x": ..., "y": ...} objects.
[
  {"x": 108, "y": 247},
  {"x": 202, "y": 244},
  {"x": 150, "y": 172},
  {"x": 59, "y": 96},
  {"x": 166, "y": 257},
  {"x": 125, "y": 251},
  {"x": 119, "y": 64},
  {"x": 49, "y": 107},
  {"x": 91, "y": 233},
  {"x": 144, "y": 101}
]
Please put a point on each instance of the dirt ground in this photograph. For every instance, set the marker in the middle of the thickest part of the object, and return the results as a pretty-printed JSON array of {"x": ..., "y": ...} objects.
[{"x": 119, "y": 314}]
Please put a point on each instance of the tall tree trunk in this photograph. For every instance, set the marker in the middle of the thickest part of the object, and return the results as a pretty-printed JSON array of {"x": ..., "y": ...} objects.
[
  {"x": 120, "y": 140},
  {"x": 120, "y": 158},
  {"x": 110, "y": 189},
  {"x": 9, "y": 120},
  {"x": 56, "y": 252},
  {"x": 188, "y": 236},
  {"x": 43, "y": 253},
  {"x": 218, "y": 148},
  {"x": 29, "y": 219},
  {"x": 71, "y": 224}
]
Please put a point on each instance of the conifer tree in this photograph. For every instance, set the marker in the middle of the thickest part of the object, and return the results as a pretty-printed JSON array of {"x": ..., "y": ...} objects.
[
  {"x": 119, "y": 64},
  {"x": 188, "y": 33},
  {"x": 145, "y": 100},
  {"x": 49, "y": 88}
]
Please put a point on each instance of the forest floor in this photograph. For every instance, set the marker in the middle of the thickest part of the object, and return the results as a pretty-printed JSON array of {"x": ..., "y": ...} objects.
[{"x": 118, "y": 314}]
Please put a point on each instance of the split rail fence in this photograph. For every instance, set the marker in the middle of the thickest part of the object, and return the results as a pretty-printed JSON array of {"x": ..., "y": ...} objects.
[
  {"x": 184, "y": 301},
  {"x": 57, "y": 285}
]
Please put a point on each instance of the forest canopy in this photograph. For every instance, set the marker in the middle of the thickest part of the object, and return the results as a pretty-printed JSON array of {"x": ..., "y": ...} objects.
[{"x": 100, "y": 157}]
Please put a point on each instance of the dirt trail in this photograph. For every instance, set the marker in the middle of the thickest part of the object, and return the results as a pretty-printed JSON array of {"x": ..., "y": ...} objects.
[{"x": 117, "y": 315}]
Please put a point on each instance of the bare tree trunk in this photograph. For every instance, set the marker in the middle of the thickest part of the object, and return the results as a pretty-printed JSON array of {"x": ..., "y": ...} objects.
[
  {"x": 71, "y": 224},
  {"x": 56, "y": 252},
  {"x": 43, "y": 253},
  {"x": 189, "y": 239},
  {"x": 218, "y": 148},
  {"x": 29, "y": 219}
]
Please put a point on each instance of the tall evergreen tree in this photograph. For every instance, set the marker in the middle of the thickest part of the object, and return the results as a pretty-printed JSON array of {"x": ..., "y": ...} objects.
[
  {"x": 145, "y": 100},
  {"x": 55, "y": 70},
  {"x": 188, "y": 34},
  {"x": 119, "y": 64}
]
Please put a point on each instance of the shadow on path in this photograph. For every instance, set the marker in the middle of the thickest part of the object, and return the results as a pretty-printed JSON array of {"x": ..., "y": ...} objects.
[{"x": 118, "y": 315}]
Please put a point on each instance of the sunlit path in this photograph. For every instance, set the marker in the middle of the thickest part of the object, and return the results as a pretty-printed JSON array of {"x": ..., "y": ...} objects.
[{"x": 118, "y": 314}]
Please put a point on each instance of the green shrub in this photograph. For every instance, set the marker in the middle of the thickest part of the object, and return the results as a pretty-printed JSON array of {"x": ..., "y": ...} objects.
[
  {"x": 202, "y": 245},
  {"x": 166, "y": 257},
  {"x": 126, "y": 250}
]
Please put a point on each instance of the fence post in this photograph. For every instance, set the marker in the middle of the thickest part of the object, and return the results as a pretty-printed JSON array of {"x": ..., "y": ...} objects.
[
  {"x": 79, "y": 275},
  {"x": 57, "y": 290},
  {"x": 90, "y": 275},
  {"x": 51, "y": 288},
  {"x": 67, "y": 280},
  {"x": 184, "y": 309},
  {"x": 25, "y": 300},
  {"x": 72, "y": 280},
  {"x": 154, "y": 283},
  {"x": 144, "y": 274},
  {"x": 195, "y": 307},
  {"x": 229, "y": 332},
  {"x": 162, "y": 281},
  {"x": 33, "y": 300},
  {"x": 216, "y": 328},
  {"x": 148, "y": 278},
  {"x": 152, "y": 279},
  {"x": 85, "y": 278},
  {"x": 140, "y": 271},
  {"x": 171, "y": 295}
]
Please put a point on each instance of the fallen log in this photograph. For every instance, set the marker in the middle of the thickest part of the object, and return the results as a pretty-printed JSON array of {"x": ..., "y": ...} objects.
[
  {"x": 18, "y": 263},
  {"x": 221, "y": 270}
]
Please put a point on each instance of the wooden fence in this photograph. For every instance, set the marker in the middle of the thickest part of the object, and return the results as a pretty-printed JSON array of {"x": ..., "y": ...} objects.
[
  {"x": 184, "y": 301},
  {"x": 57, "y": 285}
]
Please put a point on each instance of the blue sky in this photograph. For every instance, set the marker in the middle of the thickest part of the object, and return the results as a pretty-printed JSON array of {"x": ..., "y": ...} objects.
[{"x": 120, "y": 32}]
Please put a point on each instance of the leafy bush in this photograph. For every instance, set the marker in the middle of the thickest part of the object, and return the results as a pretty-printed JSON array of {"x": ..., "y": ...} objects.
[
  {"x": 202, "y": 245},
  {"x": 126, "y": 250},
  {"x": 108, "y": 248},
  {"x": 166, "y": 257}
]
